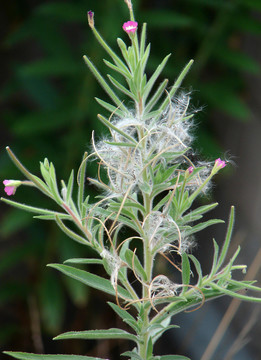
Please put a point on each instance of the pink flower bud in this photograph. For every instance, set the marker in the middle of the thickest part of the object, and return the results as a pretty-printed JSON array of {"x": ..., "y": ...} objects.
[
  {"x": 130, "y": 26},
  {"x": 190, "y": 169},
  {"x": 220, "y": 163},
  {"x": 10, "y": 190}
]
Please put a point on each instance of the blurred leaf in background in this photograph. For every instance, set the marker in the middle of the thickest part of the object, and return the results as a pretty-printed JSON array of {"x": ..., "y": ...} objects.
[{"x": 48, "y": 110}]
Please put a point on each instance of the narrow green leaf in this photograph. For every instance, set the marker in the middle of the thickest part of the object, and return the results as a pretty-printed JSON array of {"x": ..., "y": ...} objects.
[
  {"x": 245, "y": 285},
  {"x": 137, "y": 78},
  {"x": 53, "y": 217},
  {"x": 113, "y": 109},
  {"x": 197, "y": 266},
  {"x": 154, "y": 77},
  {"x": 33, "y": 209},
  {"x": 98, "y": 184},
  {"x": 126, "y": 74},
  {"x": 131, "y": 59},
  {"x": 144, "y": 59},
  {"x": 161, "y": 330},
  {"x": 123, "y": 144},
  {"x": 171, "y": 357},
  {"x": 97, "y": 335},
  {"x": 149, "y": 349},
  {"x": 234, "y": 294},
  {"x": 39, "y": 184},
  {"x": 121, "y": 87},
  {"x": 81, "y": 181},
  {"x": 113, "y": 127},
  {"x": 112, "y": 54},
  {"x": 227, "y": 239},
  {"x": 131, "y": 260},
  {"x": 71, "y": 234},
  {"x": 45, "y": 174},
  {"x": 185, "y": 271},
  {"x": 29, "y": 356},
  {"x": 123, "y": 49},
  {"x": 203, "y": 225},
  {"x": 176, "y": 85},
  {"x": 125, "y": 316},
  {"x": 215, "y": 259},
  {"x": 104, "y": 84},
  {"x": 199, "y": 211},
  {"x": 157, "y": 95},
  {"x": 70, "y": 187},
  {"x": 143, "y": 39},
  {"x": 83, "y": 261},
  {"x": 54, "y": 180},
  {"x": 91, "y": 280}
]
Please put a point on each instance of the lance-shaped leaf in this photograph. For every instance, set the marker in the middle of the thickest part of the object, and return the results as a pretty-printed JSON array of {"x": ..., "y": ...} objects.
[
  {"x": 125, "y": 316},
  {"x": 157, "y": 95},
  {"x": 81, "y": 182},
  {"x": 126, "y": 74},
  {"x": 176, "y": 86},
  {"x": 97, "y": 335},
  {"x": 37, "y": 181},
  {"x": 197, "y": 213},
  {"x": 71, "y": 234},
  {"x": 83, "y": 261},
  {"x": 113, "y": 127},
  {"x": 171, "y": 357},
  {"x": 91, "y": 280},
  {"x": 144, "y": 59},
  {"x": 226, "y": 291},
  {"x": 202, "y": 226},
  {"x": 70, "y": 187},
  {"x": 198, "y": 268},
  {"x": 227, "y": 239},
  {"x": 121, "y": 87},
  {"x": 113, "y": 109},
  {"x": 143, "y": 39},
  {"x": 215, "y": 259},
  {"x": 133, "y": 261},
  {"x": 104, "y": 84},
  {"x": 29, "y": 356},
  {"x": 36, "y": 210},
  {"x": 185, "y": 272},
  {"x": 112, "y": 54},
  {"x": 154, "y": 77}
]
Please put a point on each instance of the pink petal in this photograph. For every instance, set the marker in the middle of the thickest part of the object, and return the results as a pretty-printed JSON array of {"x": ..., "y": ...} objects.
[
  {"x": 130, "y": 26},
  {"x": 10, "y": 190},
  {"x": 220, "y": 163}
]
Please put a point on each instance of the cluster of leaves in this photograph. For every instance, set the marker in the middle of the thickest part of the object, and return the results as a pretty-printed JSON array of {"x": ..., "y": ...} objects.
[
  {"x": 123, "y": 208},
  {"x": 53, "y": 101}
]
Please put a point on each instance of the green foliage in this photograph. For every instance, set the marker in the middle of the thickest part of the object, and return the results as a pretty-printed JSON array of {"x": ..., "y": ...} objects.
[
  {"x": 59, "y": 92},
  {"x": 27, "y": 356}
]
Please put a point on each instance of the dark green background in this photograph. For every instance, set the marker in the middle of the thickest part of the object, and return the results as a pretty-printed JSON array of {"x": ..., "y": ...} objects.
[{"x": 48, "y": 110}]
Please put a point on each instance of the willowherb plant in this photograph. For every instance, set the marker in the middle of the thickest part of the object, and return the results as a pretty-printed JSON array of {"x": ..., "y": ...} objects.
[{"x": 148, "y": 187}]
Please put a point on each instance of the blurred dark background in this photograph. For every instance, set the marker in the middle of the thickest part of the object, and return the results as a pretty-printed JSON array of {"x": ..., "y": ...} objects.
[{"x": 48, "y": 110}]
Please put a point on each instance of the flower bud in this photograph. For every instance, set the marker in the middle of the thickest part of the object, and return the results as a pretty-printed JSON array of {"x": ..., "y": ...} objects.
[
  {"x": 90, "y": 17},
  {"x": 11, "y": 186}
]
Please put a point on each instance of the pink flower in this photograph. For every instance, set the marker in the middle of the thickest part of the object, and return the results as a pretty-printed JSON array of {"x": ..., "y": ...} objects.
[
  {"x": 190, "y": 169},
  {"x": 9, "y": 189},
  {"x": 220, "y": 163},
  {"x": 130, "y": 26}
]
